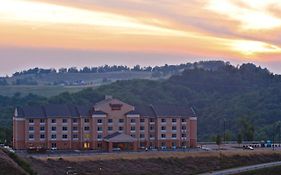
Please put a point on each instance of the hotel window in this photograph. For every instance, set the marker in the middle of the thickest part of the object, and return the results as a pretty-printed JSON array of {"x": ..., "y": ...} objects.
[
  {"x": 133, "y": 128},
  {"x": 99, "y": 136},
  {"x": 174, "y": 144},
  {"x": 163, "y": 135},
  {"x": 75, "y": 128},
  {"x": 174, "y": 135},
  {"x": 64, "y": 136},
  {"x": 54, "y": 121},
  {"x": 42, "y": 128},
  {"x": 64, "y": 128},
  {"x": 75, "y": 120},
  {"x": 42, "y": 120},
  {"x": 151, "y": 136},
  {"x": 142, "y": 128},
  {"x": 174, "y": 120},
  {"x": 133, "y": 120},
  {"x": 31, "y": 136},
  {"x": 110, "y": 128},
  {"x": 121, "y": 120},
  {"x": 163, "y": 120},
  {"x": 99, "y": 128},
  {"x": 87, "y": 128},
  {"x": 42, "y": 136},
  {"x": 31, "y": 121},
  {"x": 54, "y": 128},
  {"x": 151, "y": 120},
  {"x": 54, "y": 136},
  {"x": 54, "y": 145},
  {"x": 86, "y": 120},
  {"x": 183, "y": 120},
  {"x": 31, "y": 128},
  {"x": 75, "y": 136},
  {"x": 133, "y": 135},
  {"x": 163, "y": 144},
  {"x": 142, "y": 120},
  {"x": 183, "y": 127},
  {"x": 121, "y": 128},
  {"x": 141, "y": 135},
  {"x": 183, "y": 135},
  {"x": 115, "y": 107},
  {"x": 151, "y": 128},
  {"x": 64, "y": 120},
  {"x": 110, "y": 120},
  {"x": 163, "y": 128},
  {"x": 174, "y": 128},
  {"x": 99, "y": 120}
]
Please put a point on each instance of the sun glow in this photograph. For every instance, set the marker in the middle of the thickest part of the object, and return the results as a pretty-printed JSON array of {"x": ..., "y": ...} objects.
[{"x": 253, "y": 47}]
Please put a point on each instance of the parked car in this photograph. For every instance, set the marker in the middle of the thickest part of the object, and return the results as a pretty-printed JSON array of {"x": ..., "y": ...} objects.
[{"x": 249, "y": 147}]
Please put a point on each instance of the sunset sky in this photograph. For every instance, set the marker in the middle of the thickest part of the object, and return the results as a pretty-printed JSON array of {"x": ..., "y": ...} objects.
[{"x": 65, "y": 33}]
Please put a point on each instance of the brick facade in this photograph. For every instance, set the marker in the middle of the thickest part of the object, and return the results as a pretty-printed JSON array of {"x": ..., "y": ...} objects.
[{"x": 77, "y": 130}]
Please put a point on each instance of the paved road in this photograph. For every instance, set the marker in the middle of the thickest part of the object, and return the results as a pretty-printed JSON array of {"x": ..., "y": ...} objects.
[{"x": 244, "y": 169}]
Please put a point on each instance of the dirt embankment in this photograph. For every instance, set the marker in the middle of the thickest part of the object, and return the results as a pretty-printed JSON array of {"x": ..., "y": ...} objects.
[
  {"x": 184, "y": 164},
  {"x": 8, "y": 166}
]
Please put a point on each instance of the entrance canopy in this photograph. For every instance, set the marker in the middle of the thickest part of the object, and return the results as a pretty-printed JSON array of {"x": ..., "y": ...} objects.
[{"x": 118, "y": 137}]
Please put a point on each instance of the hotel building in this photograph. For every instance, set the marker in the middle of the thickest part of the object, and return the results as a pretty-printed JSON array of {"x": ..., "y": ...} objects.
[{"x": 107, "y": 125}]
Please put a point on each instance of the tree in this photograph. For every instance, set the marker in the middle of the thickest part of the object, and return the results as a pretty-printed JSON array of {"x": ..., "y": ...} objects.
[
  {"x": 239, "y": 138},
  {"x": 218, "y": 140}
]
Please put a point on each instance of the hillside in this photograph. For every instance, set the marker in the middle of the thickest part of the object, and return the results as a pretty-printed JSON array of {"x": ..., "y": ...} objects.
[{"x": 245, "y": 99}]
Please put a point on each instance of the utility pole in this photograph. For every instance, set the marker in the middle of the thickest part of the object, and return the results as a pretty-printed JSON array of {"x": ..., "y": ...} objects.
[{"x": 279, "y": 132}]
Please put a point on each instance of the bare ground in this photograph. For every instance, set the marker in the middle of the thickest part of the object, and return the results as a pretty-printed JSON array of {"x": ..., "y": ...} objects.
[{"x": 155, "y": 163}]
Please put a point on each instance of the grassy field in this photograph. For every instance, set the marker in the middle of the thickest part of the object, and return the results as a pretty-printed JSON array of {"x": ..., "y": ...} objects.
[
  {"x": 151, "y": 163},
  {"x": 46, "y": 91}
]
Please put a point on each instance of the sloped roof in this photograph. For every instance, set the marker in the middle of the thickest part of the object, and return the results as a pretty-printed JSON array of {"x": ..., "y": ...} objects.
[
  {"x": 57, "y": 110},
  {"x": 143, "y": 110},
  {"x": 31, "y": 111},
  {"x": 119, "y": 137}
]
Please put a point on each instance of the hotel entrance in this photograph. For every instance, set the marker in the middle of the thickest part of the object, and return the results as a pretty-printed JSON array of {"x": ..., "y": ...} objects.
[{"x": 120, "y": 142}]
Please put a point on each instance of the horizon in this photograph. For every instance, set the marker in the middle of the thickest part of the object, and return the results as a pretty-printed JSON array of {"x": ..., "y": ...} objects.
[{"x": 51, "y": 34}]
